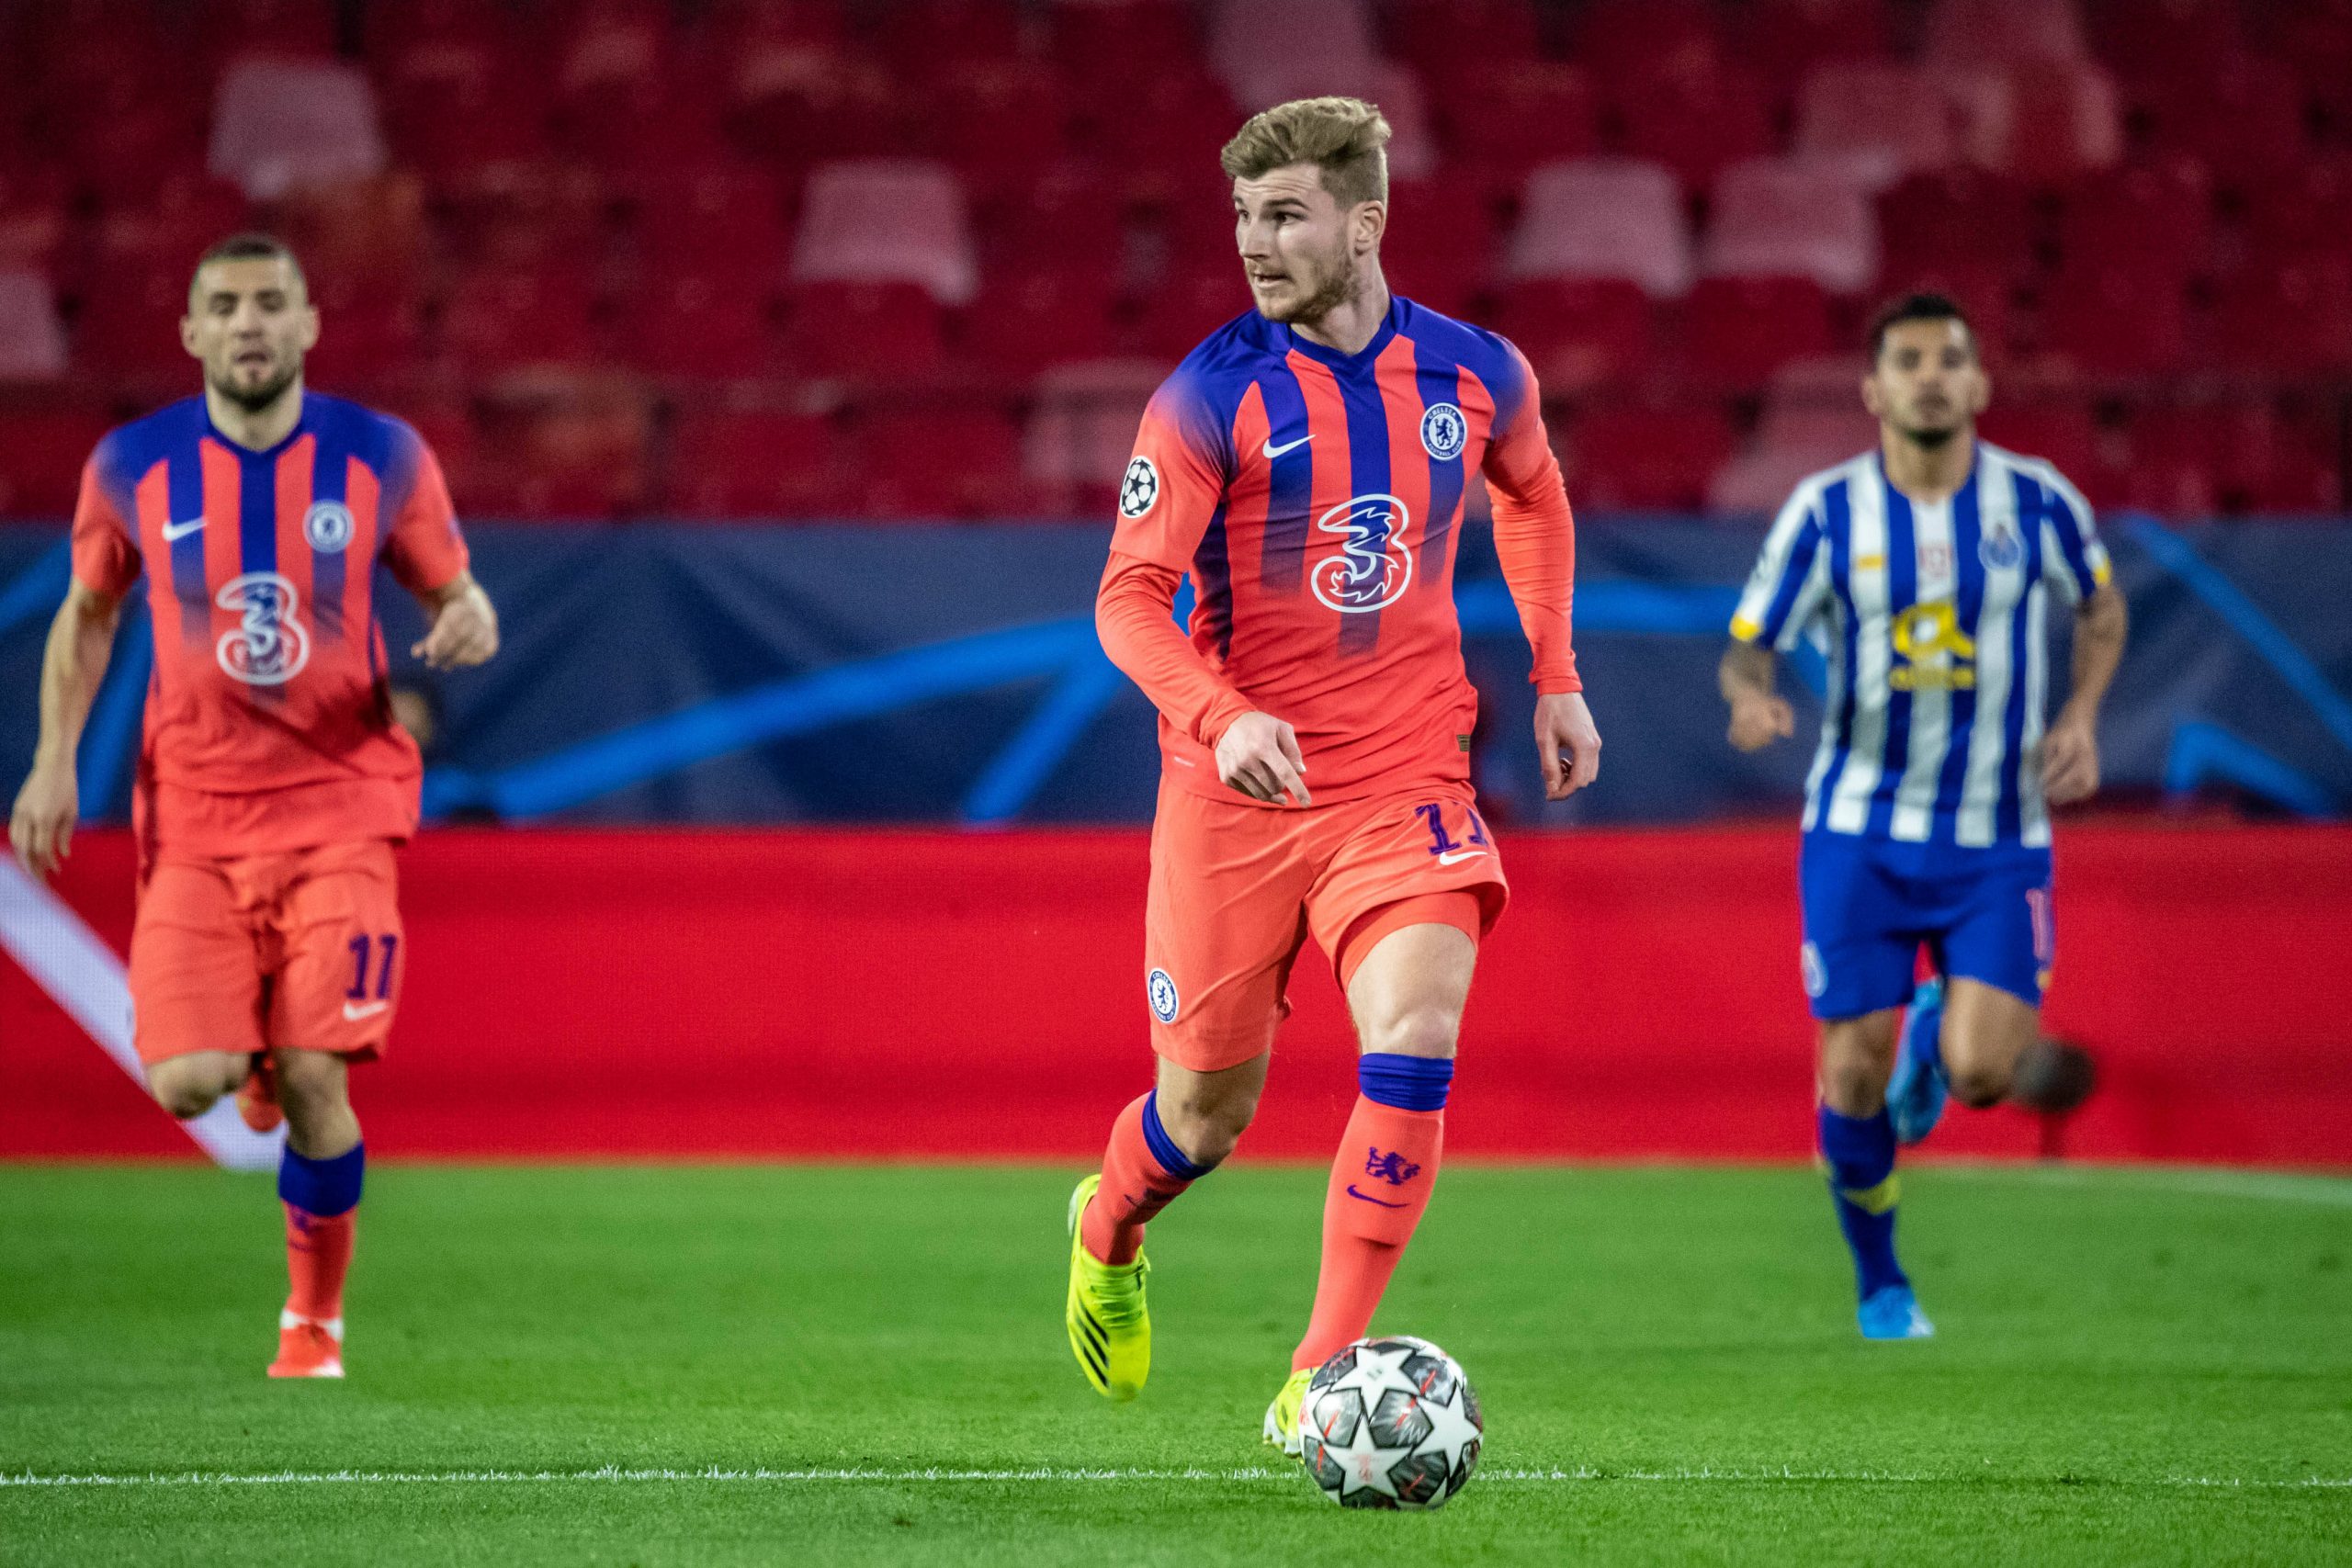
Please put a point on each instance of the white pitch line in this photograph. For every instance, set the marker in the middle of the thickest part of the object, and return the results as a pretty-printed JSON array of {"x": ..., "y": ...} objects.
[
  {"x": 2274, "y": 1186},
  {"x": 1586, "y": 1474}
]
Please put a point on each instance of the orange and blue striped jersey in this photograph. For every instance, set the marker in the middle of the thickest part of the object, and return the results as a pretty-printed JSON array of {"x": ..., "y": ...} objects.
[
  {"x": 1315, "y": 497},
  {"x": 268, "y": 725}
]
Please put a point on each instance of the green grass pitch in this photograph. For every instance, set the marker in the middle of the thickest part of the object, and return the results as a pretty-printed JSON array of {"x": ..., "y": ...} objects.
[{"x": 865, "y": 1364}]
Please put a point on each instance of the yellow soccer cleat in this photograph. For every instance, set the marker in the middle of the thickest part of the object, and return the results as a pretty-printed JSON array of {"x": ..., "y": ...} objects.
[
  {"x": 1110, "y": 1327},
  {"x": 1282, "y": 1415}
]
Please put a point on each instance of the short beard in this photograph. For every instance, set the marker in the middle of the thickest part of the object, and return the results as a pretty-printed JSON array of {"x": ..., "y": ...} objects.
[
  {"x": 1341, "y": 289},
  {"x": 1931, "y": 440},
  {"x": 259, "y": 397}
]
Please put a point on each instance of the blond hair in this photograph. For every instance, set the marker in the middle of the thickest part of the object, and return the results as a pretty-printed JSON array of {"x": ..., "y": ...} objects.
[{"x": 1345, "y": 138}]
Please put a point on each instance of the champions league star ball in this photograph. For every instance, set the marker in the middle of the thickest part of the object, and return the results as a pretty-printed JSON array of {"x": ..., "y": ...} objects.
[{"x": 1390, "y": 1423}]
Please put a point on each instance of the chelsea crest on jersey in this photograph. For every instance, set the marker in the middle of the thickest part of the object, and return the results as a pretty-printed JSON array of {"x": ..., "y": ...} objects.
[{"x": 1932, "y": 618}]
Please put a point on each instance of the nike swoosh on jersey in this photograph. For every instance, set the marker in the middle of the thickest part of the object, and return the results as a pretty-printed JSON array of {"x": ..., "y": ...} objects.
[
  {"x": 1370, "y": 1199},
  {"x": 1451, "y": 856},
  {"x": 355, "y": 1013},
  {"x": 174, "y": 532},
  {"x": 1274, "y": 451}
]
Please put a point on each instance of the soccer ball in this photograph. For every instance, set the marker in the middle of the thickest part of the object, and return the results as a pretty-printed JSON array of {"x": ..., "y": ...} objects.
[{"x": 1390, "y": 1423}]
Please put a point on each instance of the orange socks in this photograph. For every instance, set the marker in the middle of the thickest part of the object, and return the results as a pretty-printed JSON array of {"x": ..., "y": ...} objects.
[
  {"x": 1380, "y": 1185},
  {"x": 1143, "y": 1170},
  {"x": 318, "y": 1255}
]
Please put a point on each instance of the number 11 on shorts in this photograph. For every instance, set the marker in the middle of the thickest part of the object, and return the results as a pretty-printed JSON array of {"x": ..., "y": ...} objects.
[
  {"x": 361, "y": 946},
  {"x": 1443, "y": 844}
]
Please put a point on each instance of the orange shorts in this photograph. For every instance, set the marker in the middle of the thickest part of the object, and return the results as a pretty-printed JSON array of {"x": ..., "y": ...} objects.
[
  {"x": 1237, "y": 888},
  {"x": 301, "y": 949}
]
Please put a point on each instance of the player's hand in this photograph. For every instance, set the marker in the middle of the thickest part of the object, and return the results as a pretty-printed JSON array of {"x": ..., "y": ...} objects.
[
  {"x": 40, "y": 829},
  {"x": 1758, "y": 718},
  {"x": 2070, "y": 761},
  {"x": 464, "y": 628},
  {"x": 1566, "y": 744},
  {"x": 1259, "y": 755}
]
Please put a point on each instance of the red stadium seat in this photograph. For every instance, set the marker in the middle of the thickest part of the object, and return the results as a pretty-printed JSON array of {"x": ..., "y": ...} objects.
[
  {"x": 789, "y": 104},
  {"x": 1439, "y": 247},
  {"x": 2060, "y": 430},
  {"x": 2240, "y": 119},
  {"x": 2303, "y": 211},
  {"x": 1029, "y": 318},
  {"x": 716, "y": 218},
  {"x": 959, "y": 463},
  {"x": 2229, "y": 456},
  {"x": 2143, "y": 37},
  {"x": 2005, "y": 32},
  {"x": 1260, "y": 48},
  {"x": 32, "y": 338},
  {"x": 1788, "y": 218},
  {"x": 1579, "y": 333},
  {"x": 281, "y": 124},
  {"x": 2045, "y": 122},
  {"x": 2292, "y": 318},
  {"x": 706, "y": 326},
  {"x": 576, "y": 450},
  {"x": 370, "y": 330},
  {"x": 886, "y": 220},
  {"x": 165, "y": 233},
  {"x": 1034, "y": 223},
  {"x": 1083, "y": 429},
  {"x": 454, "y": 109},
  {"x": 1956, "y": 218},
  {"x": 1626, "y": 39},
  {"x": 1740, "y": 330},
  {"x": 2115, "y": 320},
  {"x": 757, "y": 462},
  {"x": 1983, "y": 290},
  {"x": 1697, "y": 123},
  {"x": 865, "y": 330},
  {"x": 2149, "y": 218},
  {"x": 1499, "y": 122},
  {"x": 998, "y": 122},
  {"x": 499, "y": 318},
  {"x": 35, "y": 214},
  {"x": 1784, "y": 38},
  {"x": 1603, "y": 217},
  {"x": 285, "y": 29},
  {"x": 43, "y": 446},
  {"x": 1881, "y": 120},
  {"x": 1641, "y": 457},
  {"x": 1188, "y": 305},
  {"x": 1449, "y": 38},
  {"x": 1792, "y": 442},
  {"x": 1098, "y": 43},
  {"x": 935, "y": 37}
]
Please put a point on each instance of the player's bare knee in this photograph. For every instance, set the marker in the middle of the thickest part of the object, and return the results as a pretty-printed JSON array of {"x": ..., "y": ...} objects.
[
  {"x": 1207, "y": 1120},
  {"x": 1978, "y": 1086},
  {"x": 1857, "y": 1060},
  {"x": 1429, "y": 1031},
  {"x": 187, "y": 1086}
]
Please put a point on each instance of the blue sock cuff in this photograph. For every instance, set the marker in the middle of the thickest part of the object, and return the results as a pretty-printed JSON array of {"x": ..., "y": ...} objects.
[
  {"x": 1163, "y": 1147},
  {"x": 1407, "y": 1083},
  {"x": 1859, "y": 1149},
  {"x": 322, "y": 1187}
]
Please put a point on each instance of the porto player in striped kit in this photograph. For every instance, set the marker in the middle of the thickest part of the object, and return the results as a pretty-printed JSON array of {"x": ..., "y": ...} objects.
[
  {"x": 272, "y": 782},
  {"x": 1925, "y": 571},
  {"x": 1307, "y": 464}
]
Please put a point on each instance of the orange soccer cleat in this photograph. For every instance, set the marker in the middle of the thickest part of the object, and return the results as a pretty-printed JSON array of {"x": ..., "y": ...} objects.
[
  {"x": 308, "y": 1347},
  {"x": 257, "y": 1096}
]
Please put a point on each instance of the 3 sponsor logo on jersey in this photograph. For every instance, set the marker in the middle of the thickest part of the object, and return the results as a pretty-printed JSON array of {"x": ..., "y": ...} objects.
[
  {"x": 1139, "y": 490},
  {"x": 328, "y": 527},
  {"x": 1374, "y": 566},
  {"x": 1444, "y": 432},
  {"x": 268, "y": 646}
]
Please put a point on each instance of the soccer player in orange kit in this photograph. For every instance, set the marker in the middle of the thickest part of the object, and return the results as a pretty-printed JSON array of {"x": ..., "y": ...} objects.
[
  {"x": 273, "y": 782},
  {"x": 1307, "y": 464}
]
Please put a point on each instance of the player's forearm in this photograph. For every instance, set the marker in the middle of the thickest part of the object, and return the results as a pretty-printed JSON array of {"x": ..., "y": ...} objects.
[
  {"x": 73, "y": 663},
  {"x": 1133, "y": 616},
  {"x": 2101, "y": 626},
  {"x": 1536, "y": 545},
  {"x": 1746, "y": 670}
]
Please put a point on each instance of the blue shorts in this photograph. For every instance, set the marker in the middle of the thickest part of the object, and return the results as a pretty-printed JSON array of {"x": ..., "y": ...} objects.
[{"x": 1871, "y": 904}]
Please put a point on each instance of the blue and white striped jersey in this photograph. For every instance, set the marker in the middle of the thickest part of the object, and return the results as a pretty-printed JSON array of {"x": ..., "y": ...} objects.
[{"x": 1932, "y": 619}]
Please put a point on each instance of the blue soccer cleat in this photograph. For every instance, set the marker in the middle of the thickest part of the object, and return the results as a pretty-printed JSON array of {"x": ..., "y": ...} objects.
[
  {"x": 1914, "y": 1095},
  {"x": 1891, "y": 1311}
]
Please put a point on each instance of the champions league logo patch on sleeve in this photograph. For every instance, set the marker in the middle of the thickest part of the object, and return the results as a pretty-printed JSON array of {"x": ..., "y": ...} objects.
[
  {"x": 328, "y": 527},
  {"x": 1817, "y": 976},
  {"x": 1139, "y": 489},
  {"x": 1162, "y": 992},
  {"x": 1444, "y": 432}
]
